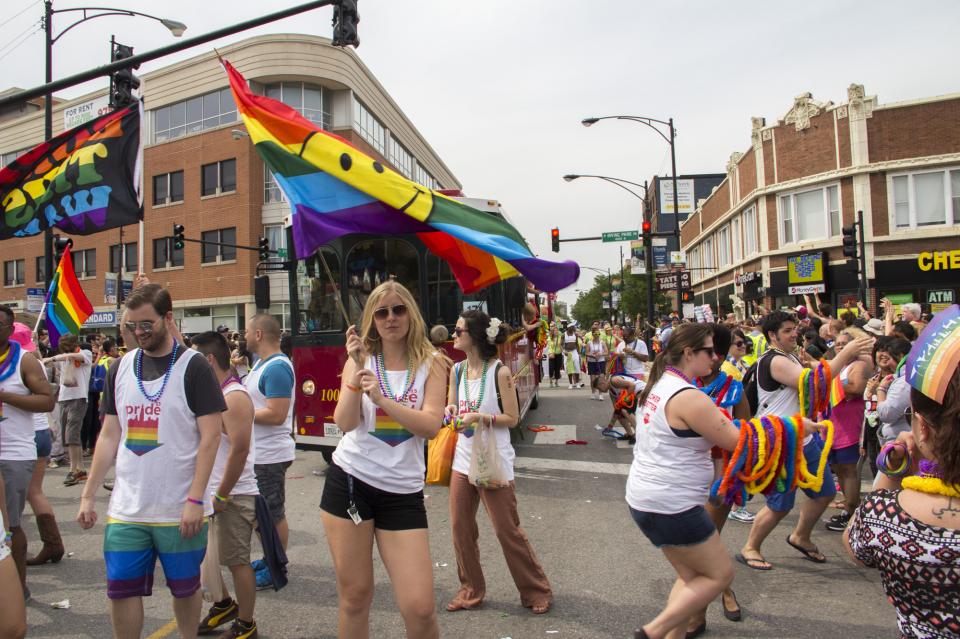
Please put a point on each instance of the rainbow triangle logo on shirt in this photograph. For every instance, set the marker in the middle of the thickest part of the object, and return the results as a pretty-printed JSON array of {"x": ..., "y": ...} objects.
[
  {"x": 389, "y": 431},
  {"x": 142, "y": 435}
]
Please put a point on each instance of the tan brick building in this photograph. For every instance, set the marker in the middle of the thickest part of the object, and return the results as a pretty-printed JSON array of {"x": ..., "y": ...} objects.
[
  {"x": 201, "y": 170},
  {"x": 772, "y": 228}
]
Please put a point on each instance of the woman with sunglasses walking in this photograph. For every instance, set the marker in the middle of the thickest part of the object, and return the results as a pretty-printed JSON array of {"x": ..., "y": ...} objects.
[
  {"x": 482, "y": 392},
  {"x": 391, "y": 401}
]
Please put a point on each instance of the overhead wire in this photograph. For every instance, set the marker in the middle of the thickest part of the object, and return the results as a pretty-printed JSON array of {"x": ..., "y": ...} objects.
[
  {"x": 14, "y": 45},
  {"x": 29, "y": 6}
]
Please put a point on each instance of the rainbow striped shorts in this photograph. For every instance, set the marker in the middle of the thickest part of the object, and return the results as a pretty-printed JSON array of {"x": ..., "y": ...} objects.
[{"x": 131, "y": 549}]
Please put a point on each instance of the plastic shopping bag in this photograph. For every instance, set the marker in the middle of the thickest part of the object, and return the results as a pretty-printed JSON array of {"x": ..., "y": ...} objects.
[
  {"x": 486, "y": 469},
  {"x": 211, "y": 582},
  {"x": 440, "y": 452}
]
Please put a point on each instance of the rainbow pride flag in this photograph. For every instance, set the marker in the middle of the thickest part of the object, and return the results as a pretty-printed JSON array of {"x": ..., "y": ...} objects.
[
  {"x": 935, "y": 355},
  {"x": 389, "y": 431},
  {"x": 142, "y": 436},
  {"x": 335, "y": 189},
  {"x": 837, "y": 393},
  {"x": 66, "y": 307}
]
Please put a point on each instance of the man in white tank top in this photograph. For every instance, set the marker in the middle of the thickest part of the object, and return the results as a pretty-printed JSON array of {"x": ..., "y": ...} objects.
[
  {"x": 233, "y": 488},
  {"x": 778, "y": 373}
]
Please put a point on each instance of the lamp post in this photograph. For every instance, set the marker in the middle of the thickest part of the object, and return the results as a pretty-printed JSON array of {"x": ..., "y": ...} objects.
[
  {"x": 648, "y": 258},
  {"x": 175, "y": 27},
  {"x": 670, "y": 139}
]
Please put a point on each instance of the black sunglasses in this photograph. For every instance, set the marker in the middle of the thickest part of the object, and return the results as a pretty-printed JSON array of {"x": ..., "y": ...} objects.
[
  {"x": 739, "y": 344},
  {"x": 398, "y": 311},
  {"x": 459, "y": 331},
  {"x": 705, "y": 348}
]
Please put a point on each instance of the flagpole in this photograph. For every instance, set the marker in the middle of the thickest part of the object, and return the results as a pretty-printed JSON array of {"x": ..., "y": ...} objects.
[
  {"x": 46, "y": 299},
  {"x": 139, "y": 177},
  {"x": 337, "y": 297}
]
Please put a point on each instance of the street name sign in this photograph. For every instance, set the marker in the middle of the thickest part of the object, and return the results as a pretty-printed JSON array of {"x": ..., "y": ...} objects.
[{"x": 620, "y": 236}]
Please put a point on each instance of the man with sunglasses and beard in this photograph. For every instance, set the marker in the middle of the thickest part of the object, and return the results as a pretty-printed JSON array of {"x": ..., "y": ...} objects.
[{"x": 270, "y": 384}]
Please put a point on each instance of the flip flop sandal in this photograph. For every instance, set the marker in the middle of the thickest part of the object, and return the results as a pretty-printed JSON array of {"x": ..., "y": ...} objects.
[
  {"x": 747, "y": 562},
  {"x": 612, "y": 434},
  {"x": 808, "y": 554}
]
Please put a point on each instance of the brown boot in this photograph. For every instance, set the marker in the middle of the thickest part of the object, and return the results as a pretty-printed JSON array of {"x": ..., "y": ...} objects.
[
  {"x": 18, "y": 549},
  {"x": 52, "y": 550}
]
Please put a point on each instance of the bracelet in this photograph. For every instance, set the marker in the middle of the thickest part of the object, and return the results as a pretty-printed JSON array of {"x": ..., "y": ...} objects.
[
  {"x": 198, "y": 502},
  {"x": 221, "y": 498},
  {"x": 493, "y": 420},
  {"x": 7, "y": 536},
  {"x": 882, "y": 466},
  {"x": 355, "y": 389}
]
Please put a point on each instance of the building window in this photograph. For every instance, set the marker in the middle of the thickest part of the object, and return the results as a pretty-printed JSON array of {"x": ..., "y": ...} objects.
[
  {"x": 810, "y": 215},
  {"x": 736, "y": 240},
  {"x": 85, "y": 263},
  {"x": 369, "y": 127},
  {"x": 196, "y": 114},
  {"x": 708, "y": 262},
  {"x": 218, "y": 177},
  {"x": 723, "y": 247},
  {"x": 129, "y": 257},
  {"x": 401, "y": 158},
  {"x": 271, "y": 188},
  {"x": 213, "y": 249},
  {"x": 41, "y": 270},
  {"x": 14, "y": 273},
  {"x": 312, "y": 101},
  {"x": 168, "y": 188},
  {"x": 165, "y": 255},
  {"x": 424, "y": 178},
  {"x": 277, "y": 238},
  {"x": 931, "y": 198},
  {"x": 693, "y": 260},
  {"x": 750, "y": 231}
]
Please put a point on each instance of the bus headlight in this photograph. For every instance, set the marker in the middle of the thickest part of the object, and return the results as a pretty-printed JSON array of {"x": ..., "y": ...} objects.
[{"x": 308, "y": 388}]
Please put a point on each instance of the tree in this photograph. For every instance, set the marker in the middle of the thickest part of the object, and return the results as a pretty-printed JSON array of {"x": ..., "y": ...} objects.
[{"x": 633, "y": 300}]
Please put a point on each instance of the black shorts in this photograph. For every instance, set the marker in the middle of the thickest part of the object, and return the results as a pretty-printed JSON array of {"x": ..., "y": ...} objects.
[
  {"x": 271, "y": 481},
  {"x": 596, "y": 368},
  {"x": 689, "y": 528},
  {"x": 389, "y": 511}
]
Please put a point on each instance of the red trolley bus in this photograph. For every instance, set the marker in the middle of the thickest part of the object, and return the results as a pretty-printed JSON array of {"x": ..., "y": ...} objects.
[{"x": 358, "y": 263}]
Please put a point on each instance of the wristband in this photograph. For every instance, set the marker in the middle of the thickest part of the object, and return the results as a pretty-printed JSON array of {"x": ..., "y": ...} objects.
[
  {"x": 355, "y": 389},
  {"x": 7, "y": 536},
  {"x": 493, "y": 420},
  {"x": 221, "y": 498},
  {"x": 198, "y": 502}
]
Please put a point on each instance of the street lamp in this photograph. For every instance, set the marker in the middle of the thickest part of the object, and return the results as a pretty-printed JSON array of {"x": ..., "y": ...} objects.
[
  {"x": 671, "y": 139},
  {"x": 176, "y": 28},
  {"x": 570, "y": 177}
]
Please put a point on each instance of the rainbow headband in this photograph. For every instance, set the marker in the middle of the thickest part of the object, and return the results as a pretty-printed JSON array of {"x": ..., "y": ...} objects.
[{"x": 935, "y": 355}]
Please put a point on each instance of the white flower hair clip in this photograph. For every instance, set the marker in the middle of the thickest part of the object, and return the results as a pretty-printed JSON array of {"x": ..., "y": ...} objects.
[{"x": 493, "y": 329}]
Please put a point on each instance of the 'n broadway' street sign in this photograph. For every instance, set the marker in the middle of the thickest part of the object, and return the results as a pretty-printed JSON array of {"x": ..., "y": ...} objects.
[{"x": 620, "y": 236}]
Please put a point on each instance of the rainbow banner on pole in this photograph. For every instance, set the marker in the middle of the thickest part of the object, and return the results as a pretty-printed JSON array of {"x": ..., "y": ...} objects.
[
  {"x": 933, "y": 360},
  {"x": 66, "y": 307},
  {"x": 335, "y": 189}
]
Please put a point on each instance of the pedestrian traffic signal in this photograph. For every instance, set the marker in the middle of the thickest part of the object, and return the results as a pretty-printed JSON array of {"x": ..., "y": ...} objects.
[
  {"x": 264, "y": 247},
  {"x": 345, "y": 19},
  {"x": 60, "y": 244},
  {"x": 686, "y": 296},
  {"x": 645, "y": 228},
  {"x": 850, "y": 246},
  {"x": 123, "y": 83},
  {"x": 555, "y": 239},
  {"x": 178, "y": 239}
]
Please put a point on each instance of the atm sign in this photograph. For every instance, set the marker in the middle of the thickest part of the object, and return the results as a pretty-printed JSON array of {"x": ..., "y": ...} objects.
[{"x": 945, "y": 296}]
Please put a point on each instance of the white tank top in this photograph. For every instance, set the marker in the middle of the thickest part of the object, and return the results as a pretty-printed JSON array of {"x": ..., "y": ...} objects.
[
  {"x": 489, "y": 406},
  {"x": 17, "y": 428},
  {"x": 381, "y": 452},
  {"x": 782, "y": 402},
  {"x": 595, "y": 349},
  {"x": 40, "y": 419},
  {"x": 158, "y": 450},
  {"x": 669, "y": 473},
  {"x": 274, "y": 443},
  {"x": 247, "y": 483}
]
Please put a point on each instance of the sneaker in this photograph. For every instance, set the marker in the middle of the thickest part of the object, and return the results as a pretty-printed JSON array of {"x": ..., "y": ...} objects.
[
  {"x": 258, "y": 565},
  {"x": 570, "y": 387},
  {"x": 838, "y": 523},
  {"x": 108, "y": 486},
  {"x": 71, "y": 479},
  {"x": 742, "y": 515},
  {"x": 580, "y": 385},
  {"x": 218, "y": 615},
  {"x": 264, "y": 580},
  {"x": 240, "y": 630}
]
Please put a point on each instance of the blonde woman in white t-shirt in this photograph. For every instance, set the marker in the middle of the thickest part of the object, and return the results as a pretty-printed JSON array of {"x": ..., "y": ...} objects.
[
  {"x": 478, "y": 386},
  {"x": 391, "y": 402}
]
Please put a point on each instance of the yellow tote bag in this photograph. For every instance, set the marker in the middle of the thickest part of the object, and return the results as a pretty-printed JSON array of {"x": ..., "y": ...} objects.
[{"x": 440, "y": 452}]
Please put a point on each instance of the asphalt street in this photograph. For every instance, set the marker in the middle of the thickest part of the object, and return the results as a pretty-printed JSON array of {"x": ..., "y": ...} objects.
[{"x": 606, "y": 576}]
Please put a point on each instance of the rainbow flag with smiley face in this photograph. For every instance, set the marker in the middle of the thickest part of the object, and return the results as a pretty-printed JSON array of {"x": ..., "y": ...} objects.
[{"x": 335, "y": 189}]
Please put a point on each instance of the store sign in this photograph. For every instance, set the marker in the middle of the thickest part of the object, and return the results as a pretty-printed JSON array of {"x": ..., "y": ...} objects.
[
  {"x": 747, "y": 277},
  {"x": 35, "y": 300},
  {"x": 660, "y": 258},
  {"x": 673, "y": 281},
  {"x": 805, "y": 273},
  {"x": 806, "y": 289},
  {"x": 103, "y": 319},
  {"x": 79, "y": 113},
  {"x": 678, "y": 258},
  {"x": 945, "y": 296},
  {"x": 939, "y": 260},
  {"x": 685, "y": 196}
]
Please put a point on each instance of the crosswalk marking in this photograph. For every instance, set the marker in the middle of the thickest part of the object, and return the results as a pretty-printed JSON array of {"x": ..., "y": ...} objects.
[
  {"x": 540, "y": 463},
  {"x": 560, "y": 434}
]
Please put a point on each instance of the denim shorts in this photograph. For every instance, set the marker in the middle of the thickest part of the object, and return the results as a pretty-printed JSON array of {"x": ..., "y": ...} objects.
[
  {"x": 847, "y": 455},
  {"x": 689, "y": 528},
  {"x": 43, "y": 441},
  {"x": 783, "y": 502}
]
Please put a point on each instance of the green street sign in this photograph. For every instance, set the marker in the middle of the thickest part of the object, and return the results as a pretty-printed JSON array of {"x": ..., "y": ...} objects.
[
  {"x": 282, "y": 254},
  {"x": 620, "y": 236}
]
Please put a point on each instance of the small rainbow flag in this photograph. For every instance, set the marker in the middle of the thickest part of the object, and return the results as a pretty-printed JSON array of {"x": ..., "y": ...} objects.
[
  {"x": 933, "y": 360},
  {"x": 142, "y": 436},
  {"x": 836, "y": 392},
  {"x": 389, "y": 431},
  {"x": 335, "y": 189},
  {"x": 66, "y": 307}
]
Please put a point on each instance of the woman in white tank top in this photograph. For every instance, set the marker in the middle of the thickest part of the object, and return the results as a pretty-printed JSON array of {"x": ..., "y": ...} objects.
[
  {"x": 478, "y": 386},
  {"x": 391, "y": 401}
]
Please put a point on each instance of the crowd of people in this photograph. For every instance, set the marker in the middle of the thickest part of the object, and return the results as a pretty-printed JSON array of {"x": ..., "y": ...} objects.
[{"x": 199, "y": 432}]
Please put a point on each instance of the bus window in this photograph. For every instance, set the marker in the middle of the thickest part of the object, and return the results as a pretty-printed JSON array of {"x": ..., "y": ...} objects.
[
  {"x": 318, "y": 306},
  {"x": 372, "y": 262},
  {"x": 515, "y": 296},
  {"x": 443, "y": 293}
]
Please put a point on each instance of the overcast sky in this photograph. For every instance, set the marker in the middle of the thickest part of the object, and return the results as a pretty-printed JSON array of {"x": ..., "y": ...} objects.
[{"x": 499, "y": 87}]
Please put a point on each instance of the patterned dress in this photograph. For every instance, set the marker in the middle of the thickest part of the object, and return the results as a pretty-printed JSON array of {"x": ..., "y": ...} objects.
[{"x": 919, "y": 565}]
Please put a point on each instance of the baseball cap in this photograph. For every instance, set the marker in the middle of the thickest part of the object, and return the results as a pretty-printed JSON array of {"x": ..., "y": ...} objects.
[
  {"x": 801, "y": 311},
  {"x": 23, "y": 336}
]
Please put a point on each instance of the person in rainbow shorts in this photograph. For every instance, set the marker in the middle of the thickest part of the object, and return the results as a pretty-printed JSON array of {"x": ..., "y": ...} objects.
[{"x": 163, "y": 410}]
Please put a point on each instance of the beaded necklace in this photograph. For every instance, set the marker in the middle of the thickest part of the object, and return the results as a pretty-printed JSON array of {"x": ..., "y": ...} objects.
[
  {"x": 679, "y": 373},
  {"x": 138, "y": 371},
  {"x": 930, "y": 481},
  {"x": 384, "y": 380},
  {"x": 473, "y": 407},
  {"x": 227, "y": 381},
  {"x": 8, "y": 361}
]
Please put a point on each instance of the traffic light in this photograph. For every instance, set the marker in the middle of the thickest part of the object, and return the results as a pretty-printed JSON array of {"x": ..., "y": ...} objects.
[
  {"x": 555, "y": 239},
  {"x": 178, "y": 239},
  {"x": 60, "y": 244},
  {"x": 345, "y": 19},
  {"x": 645, "y": 228},
  {"x": 123, "y": 83},
  {"x": 264, "y": 246},
  {"x": 686, "y": 296},
  {"x": 850, "y": 247}
]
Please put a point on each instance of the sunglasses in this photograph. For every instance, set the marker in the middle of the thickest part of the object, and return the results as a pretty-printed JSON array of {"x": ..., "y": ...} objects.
[
  {"x": 145, "y": 326},
  {"x": 739, "y": 344},
  {"x": 709, "y": 350},
  {"x": 384, "y": 311},
  {"x": 459, "y": 331}
]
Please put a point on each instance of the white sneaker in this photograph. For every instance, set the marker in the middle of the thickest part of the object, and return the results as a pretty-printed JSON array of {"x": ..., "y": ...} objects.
[
  {"x": 742, "y": 515},
  {"x": 570, "y": 386},
  {"x": 580, "y": 385}
]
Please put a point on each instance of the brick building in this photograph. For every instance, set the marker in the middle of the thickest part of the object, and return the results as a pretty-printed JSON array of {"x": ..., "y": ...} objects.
[
  {"x": 772, "y": 229},
  {"x": 201, "y": 170}
]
